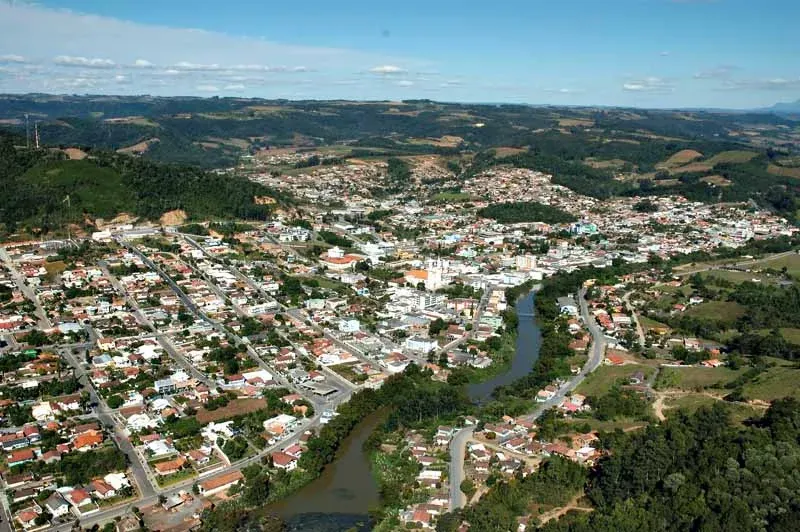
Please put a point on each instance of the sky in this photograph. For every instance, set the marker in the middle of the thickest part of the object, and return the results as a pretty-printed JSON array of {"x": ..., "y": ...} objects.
[{"x": 638, "y": 53}]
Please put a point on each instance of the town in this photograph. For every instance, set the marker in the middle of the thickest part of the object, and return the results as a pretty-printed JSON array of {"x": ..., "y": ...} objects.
[{"x": 146, "y": 366}]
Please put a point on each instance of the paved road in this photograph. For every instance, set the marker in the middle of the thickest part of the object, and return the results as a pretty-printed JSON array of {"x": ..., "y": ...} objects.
[
  {"x": 163, "y": 339},
  {"x": 139, "y": 470},
  {"x": 457, "y": 449},
  {"x": 639, "y": 331},
  {"x": 152, "y": 498},
  {"x": 29, "y": 292},
  {"x": 595, "y": 359}
]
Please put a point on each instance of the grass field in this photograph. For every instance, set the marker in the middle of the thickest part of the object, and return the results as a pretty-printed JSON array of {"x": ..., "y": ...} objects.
[
  {"x": 716, "y": 180},
  {"x": 693, "y": 378},
  {"x": 736, "y": 276},
  {"x": 692, "y": 167},
  {"x": 680, "y": 158},
  {"x": 791, "y": 262},
  {"x": 717, "y": 310},
  {"x": 648, "y": 323},
  {"x": 733, "y": 156},
  {"x": 784, "y": 171},
  {"x": 601, "y": 381},
  {"x": 451, "y": 197},
  {"x": 235, "y": 408},
  {"x": 776, "y": 382}
]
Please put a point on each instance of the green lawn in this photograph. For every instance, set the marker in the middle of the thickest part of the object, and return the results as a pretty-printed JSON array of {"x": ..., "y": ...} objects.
[
  {"x": 717, "y": 310},
  {"x": 692, "y": 378},
  {"x": 601, "y": 380},
  {"x": 738, "y": 277}
]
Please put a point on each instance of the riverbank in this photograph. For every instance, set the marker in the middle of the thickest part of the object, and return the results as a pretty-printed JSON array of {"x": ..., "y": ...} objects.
[{"x": 342, "y": 497}]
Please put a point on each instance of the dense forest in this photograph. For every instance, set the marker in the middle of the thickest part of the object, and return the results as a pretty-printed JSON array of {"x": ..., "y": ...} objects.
[
  {"x": 38, "y": 183},
  {"x": 525, "y": 211},
  {"x": 698, "y": 472}
]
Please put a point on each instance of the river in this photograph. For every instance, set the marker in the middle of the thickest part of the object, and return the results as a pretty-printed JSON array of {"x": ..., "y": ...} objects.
[
  {"x": 529, "y": 339},
  {"x": 341, "y": 498}
]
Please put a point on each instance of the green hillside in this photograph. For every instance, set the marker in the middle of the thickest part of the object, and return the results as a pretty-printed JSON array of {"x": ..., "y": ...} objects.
[{"x": 37, "y": 183}]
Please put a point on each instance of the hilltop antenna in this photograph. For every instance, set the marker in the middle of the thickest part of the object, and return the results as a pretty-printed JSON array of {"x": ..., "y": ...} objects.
[
  {"x": 36, "y": 133},
  {"x": 69, "y": 208},
  {"x": 27, "y": 131}
]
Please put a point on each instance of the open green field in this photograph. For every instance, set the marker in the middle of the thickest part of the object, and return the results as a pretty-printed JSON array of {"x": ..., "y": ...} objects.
[
  {"x": 601, "y": 380},
  {"x": 733, "y": 156},
  {"x": 693, "y": 378},
  {"x": 776, "y": 382},
  {"x": 738, "y": 277},
  {"x": 451, "y": 197},
  {"x": 648, "y": 323},
  {"x": 717, "y": 310},
  {"x": 790, "y": 262}
]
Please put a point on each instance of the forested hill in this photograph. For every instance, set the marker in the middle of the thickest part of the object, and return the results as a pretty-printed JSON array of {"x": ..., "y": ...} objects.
[
  {"x": 699, "y": 472},
  {"x": 37, "y": 182}
]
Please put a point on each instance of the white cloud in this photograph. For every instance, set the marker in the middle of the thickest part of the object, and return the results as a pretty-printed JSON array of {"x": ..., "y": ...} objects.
[
  {"x": 720, "y": 72},
  {"x": 387, "y": 69},
  {"x": 119, "y": 78},
  {"x": 169, "y": 61},
  {"x": 207, "y": 88},
  {"x": 773, "y": 84},
  {"x": 665, "y": 53},
  {"x": 195, "y": 67},
  {"x": 12, "y": 58},
  {"x": 405, "y": 83},
  {"x": 234, "y": 87},
  {"x": 565, "y": 90},
  {"x": 648, "y": 84},
  {"x": 80, "y": 61}
]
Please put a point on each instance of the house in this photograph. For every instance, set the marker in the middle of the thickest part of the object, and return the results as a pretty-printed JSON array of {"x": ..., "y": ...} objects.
[
  {"x": 79, "y": 497},
  {"x": 420, "y": 345},
  {"x": 20, "y": 457},
  {"x": 27, "y": 517},
  {"x": 220, "y": 483},
  {"x": 284, "y": 461},
  {"x": 170, "y": 467},
  {"x": 87, "y": 441},
  {"x": 102, "y": 489},
  {"x": 56, "y": 505}
]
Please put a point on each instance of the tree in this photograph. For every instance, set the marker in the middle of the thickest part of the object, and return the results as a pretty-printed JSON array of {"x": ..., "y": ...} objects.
[
  {"x": 115, "y": 401},
  {"x": 467, "y": 487}
]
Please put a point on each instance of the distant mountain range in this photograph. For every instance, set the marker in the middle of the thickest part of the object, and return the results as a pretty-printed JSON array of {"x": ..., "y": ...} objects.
[{"x": 785, "y": 107}]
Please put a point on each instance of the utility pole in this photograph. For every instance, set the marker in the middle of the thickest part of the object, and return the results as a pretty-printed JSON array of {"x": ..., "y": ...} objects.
[
  {"x": 27, "y": 131},
  {"x": 36, "y": 133}
]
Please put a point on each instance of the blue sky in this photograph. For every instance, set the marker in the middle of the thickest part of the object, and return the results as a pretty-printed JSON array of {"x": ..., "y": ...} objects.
[{"x": 644, "y": 53}]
